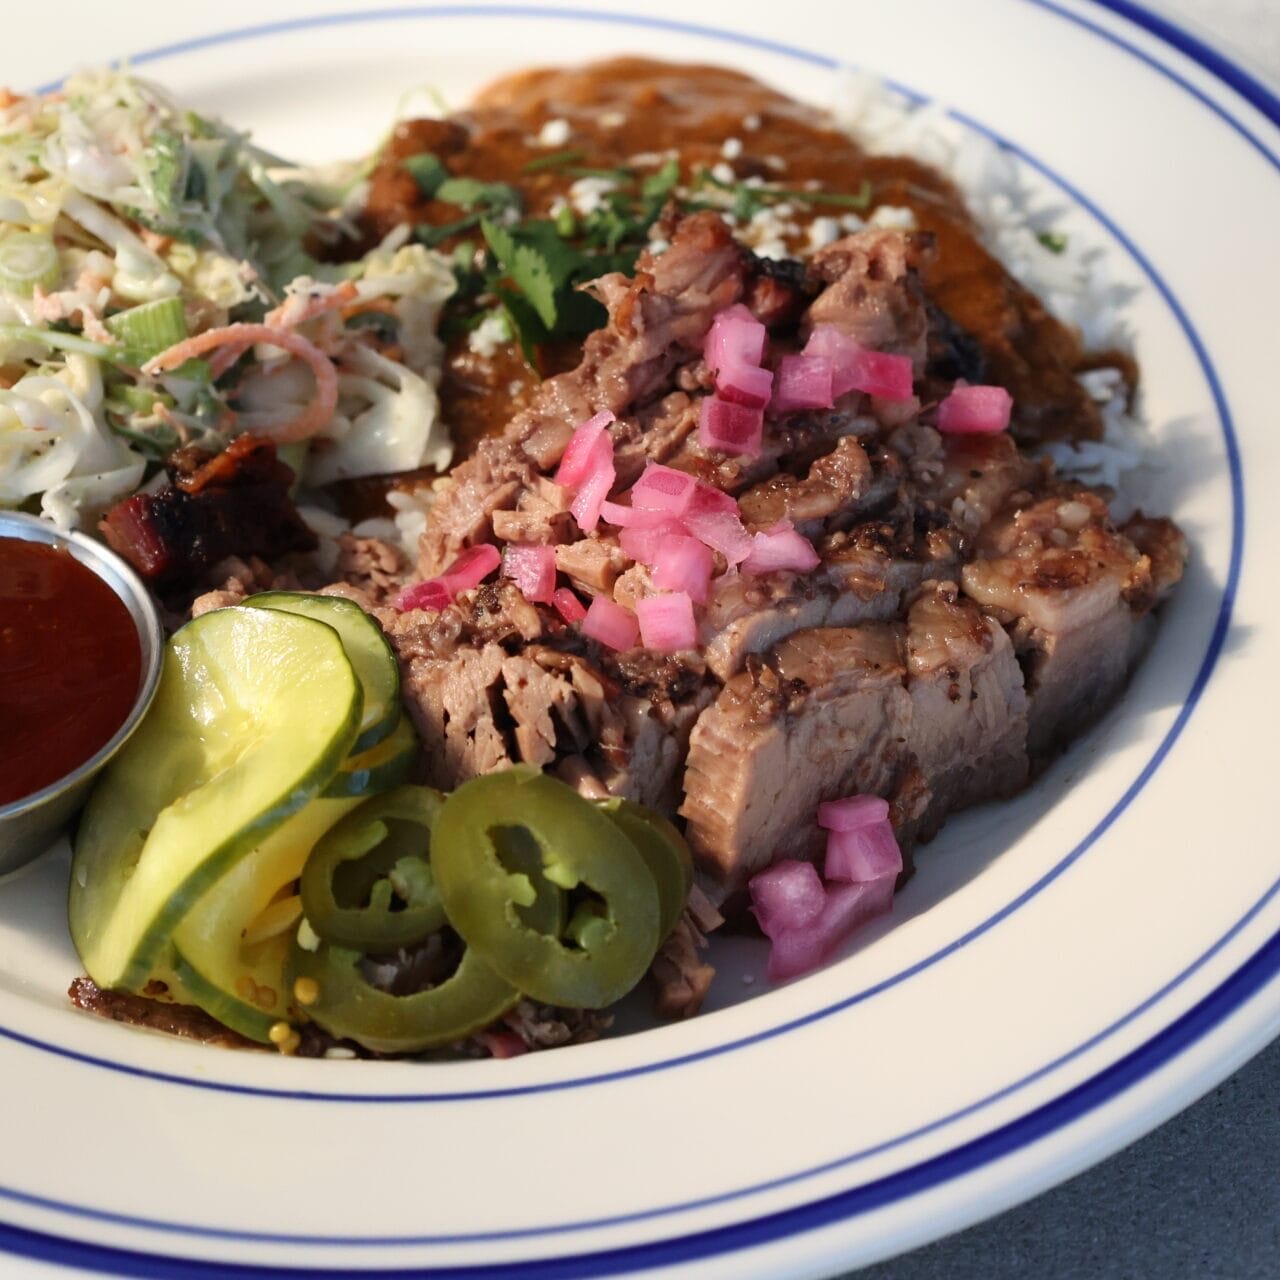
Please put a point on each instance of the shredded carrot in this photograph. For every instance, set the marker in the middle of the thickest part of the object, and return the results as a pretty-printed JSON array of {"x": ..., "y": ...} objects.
[
  {"x": 296, "y": 310},
  {"x": 8, "y": 98},
  {"x": 384, "y": 305},
  {"x": 243, "y": 336}
]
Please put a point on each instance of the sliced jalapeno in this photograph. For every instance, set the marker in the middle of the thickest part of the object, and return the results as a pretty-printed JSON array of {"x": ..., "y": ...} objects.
[
  {"x": 368, "y": 883},
  {"x": 345, "y": 1004},
  {"x": 665, "y": 853},
  {"x": 613, "y": 928}
]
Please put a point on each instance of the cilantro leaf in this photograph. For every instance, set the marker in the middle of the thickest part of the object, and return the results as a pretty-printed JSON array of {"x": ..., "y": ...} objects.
[
  {"x": 427, "y": 171},
  {"x": 431, "y": 236},
  {"x": 1054, "y": 241},
  {"x": 471, "y": 193},
  {"x": 658, "y": 186}
]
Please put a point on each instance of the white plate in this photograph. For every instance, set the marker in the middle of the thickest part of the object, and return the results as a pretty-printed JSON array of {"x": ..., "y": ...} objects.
[{"x": 1063, "y": 973}]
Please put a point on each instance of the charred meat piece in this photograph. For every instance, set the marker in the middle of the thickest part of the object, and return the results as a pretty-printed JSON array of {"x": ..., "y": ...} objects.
[{"x": 234, "y": 504}]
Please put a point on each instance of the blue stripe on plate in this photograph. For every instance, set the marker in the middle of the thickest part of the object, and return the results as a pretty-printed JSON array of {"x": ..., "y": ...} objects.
[{"x": 1199, "y": 1021}]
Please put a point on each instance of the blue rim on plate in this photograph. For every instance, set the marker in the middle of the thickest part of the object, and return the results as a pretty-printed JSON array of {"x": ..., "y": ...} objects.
[{"x": 1141, "y": 1062}]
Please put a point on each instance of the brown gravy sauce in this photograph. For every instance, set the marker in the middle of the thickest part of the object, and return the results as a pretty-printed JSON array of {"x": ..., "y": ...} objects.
[{"x": 623, "y": 108}]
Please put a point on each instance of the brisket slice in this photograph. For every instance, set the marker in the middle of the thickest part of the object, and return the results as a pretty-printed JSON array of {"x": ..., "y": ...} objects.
[
  {"x": 492, "y": 682},
  {"x": 931, "y": 715},
  {"x": 1075, "y": 595},
  {"x": 825, "y": 714}
]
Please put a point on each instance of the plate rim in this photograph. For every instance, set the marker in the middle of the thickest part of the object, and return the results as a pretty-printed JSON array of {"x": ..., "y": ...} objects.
[{"x": 1246, "y": 981}]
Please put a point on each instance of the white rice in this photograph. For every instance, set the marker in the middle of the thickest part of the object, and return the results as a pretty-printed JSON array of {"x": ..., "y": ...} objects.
[{"x": 1075, "y": 284}]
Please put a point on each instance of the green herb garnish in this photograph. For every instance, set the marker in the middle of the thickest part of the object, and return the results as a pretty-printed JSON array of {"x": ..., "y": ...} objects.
[
  {"x": 554, "y": 160},
  {"x": 1054, "y": 241}
]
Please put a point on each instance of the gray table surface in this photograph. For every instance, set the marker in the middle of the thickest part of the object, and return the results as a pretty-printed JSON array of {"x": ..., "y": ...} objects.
[{"x": 1199, "y": 1197}]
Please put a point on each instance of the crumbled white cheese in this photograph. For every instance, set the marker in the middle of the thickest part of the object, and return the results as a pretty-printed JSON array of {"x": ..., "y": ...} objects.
[
  {"x": 339, "y": 1052},
  {"x": 613, "y": 119},
  {"x": 767, "y": 231},
  {"x": 822, "y": 231},
  {"x": 491, "y": 333},
  {"x": 555, "y": 133},
  {"x": 659, "y": 245},
  {"x": 308, "y": 938},
  {"x": 751, "y": 123},
  {"x": 587, "y": 194},
  {"x": 893, "y": 217},
  {"x": 723, "y": 172},
  {"x": 851, "y": 222},
  {"x": 731, "y": 149},
  {"x": 775, "y": 162},
  {"x": 558, "y": 205}
]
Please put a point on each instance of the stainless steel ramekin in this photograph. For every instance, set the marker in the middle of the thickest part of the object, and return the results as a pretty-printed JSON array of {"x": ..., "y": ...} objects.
[{"x": 28, "y": 826}]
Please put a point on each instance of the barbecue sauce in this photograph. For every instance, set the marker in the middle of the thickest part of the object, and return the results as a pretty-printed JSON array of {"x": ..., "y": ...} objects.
[{"x": 70, "y": 664}]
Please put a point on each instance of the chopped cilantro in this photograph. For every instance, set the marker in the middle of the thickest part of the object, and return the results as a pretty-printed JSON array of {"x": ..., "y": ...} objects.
[
  {"x": 427, "y": 171},
  {"x": 1054, "y": 241},
  {"x": 471, "y": 193},
  {"x": 658, "y": 186},
  {"x": 554, "y": 160},
  {"x": 431, "y": 236}
]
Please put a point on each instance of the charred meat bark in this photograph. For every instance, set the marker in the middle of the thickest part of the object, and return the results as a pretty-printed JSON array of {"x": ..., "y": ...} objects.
[{"x": 234, "y": 504}]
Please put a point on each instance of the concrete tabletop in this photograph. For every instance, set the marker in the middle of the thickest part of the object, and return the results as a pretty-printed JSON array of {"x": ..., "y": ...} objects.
[{"x": 1198, "y": 1199}]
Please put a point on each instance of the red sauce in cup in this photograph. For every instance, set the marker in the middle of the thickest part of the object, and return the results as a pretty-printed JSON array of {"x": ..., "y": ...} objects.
[{"x": 70, "y": 663}]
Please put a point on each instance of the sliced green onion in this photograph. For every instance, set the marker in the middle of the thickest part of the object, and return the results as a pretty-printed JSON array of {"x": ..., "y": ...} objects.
[
  {"x": 151, "y": 328},
  {"x": 58, "y": 341},
  {"x": 143, "y": 399},
  {"x": 27, "y": 259}
]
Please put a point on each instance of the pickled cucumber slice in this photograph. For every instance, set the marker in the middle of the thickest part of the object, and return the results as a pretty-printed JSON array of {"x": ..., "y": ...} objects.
[
  {"x": 256, "y": 710},
  {"x": 366, "y": 646}
]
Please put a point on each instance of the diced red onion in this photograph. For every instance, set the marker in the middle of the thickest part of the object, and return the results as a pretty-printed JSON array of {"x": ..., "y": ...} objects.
[
  {"x": 610, "y": 624},
  {"x": 854, "y": 368},
  {"x": 804, "y": 382},
  {"x": 787, "y": 896},
  {"x": 595, "y": 485},
  {"x": 431, "y": 594},
  {"x": 744, "y": 384},
  {"x": 730, "y": 428},
  {"x": 502, "y": 1044},
  {"x": 735, "y": 334},
  {"x": 533, "y": 570},
  {"x": 973, "y": 410},
  {"x": 867, "y": 853},
  {"x": 852, "y": 813},
  {"x": 643, "y": 545},
  {"x": 780, "y": 547},
  {"x": 707, "y": 497},
  {"x": 468, "y": 570},
  {"x": 666, "y": 622},
  {"x": 569, "y": 607},
  {"x": 472, "y": 567},
  {"x": 846, "y": 908},
  {"x": 633, "y": 517},
  {"x": 576, "y": 461},
  {"x": 682, "y": 563},
  {"x": 721, "y": 532},
  {"x": 663, "y": 489}
]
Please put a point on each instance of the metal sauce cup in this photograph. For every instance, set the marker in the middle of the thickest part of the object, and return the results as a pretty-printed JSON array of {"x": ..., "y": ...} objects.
[{"x": 28, "y": 826}]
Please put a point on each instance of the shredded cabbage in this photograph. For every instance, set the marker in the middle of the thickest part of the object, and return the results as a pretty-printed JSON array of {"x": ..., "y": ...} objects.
[{"x": 146, "y": 200}]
